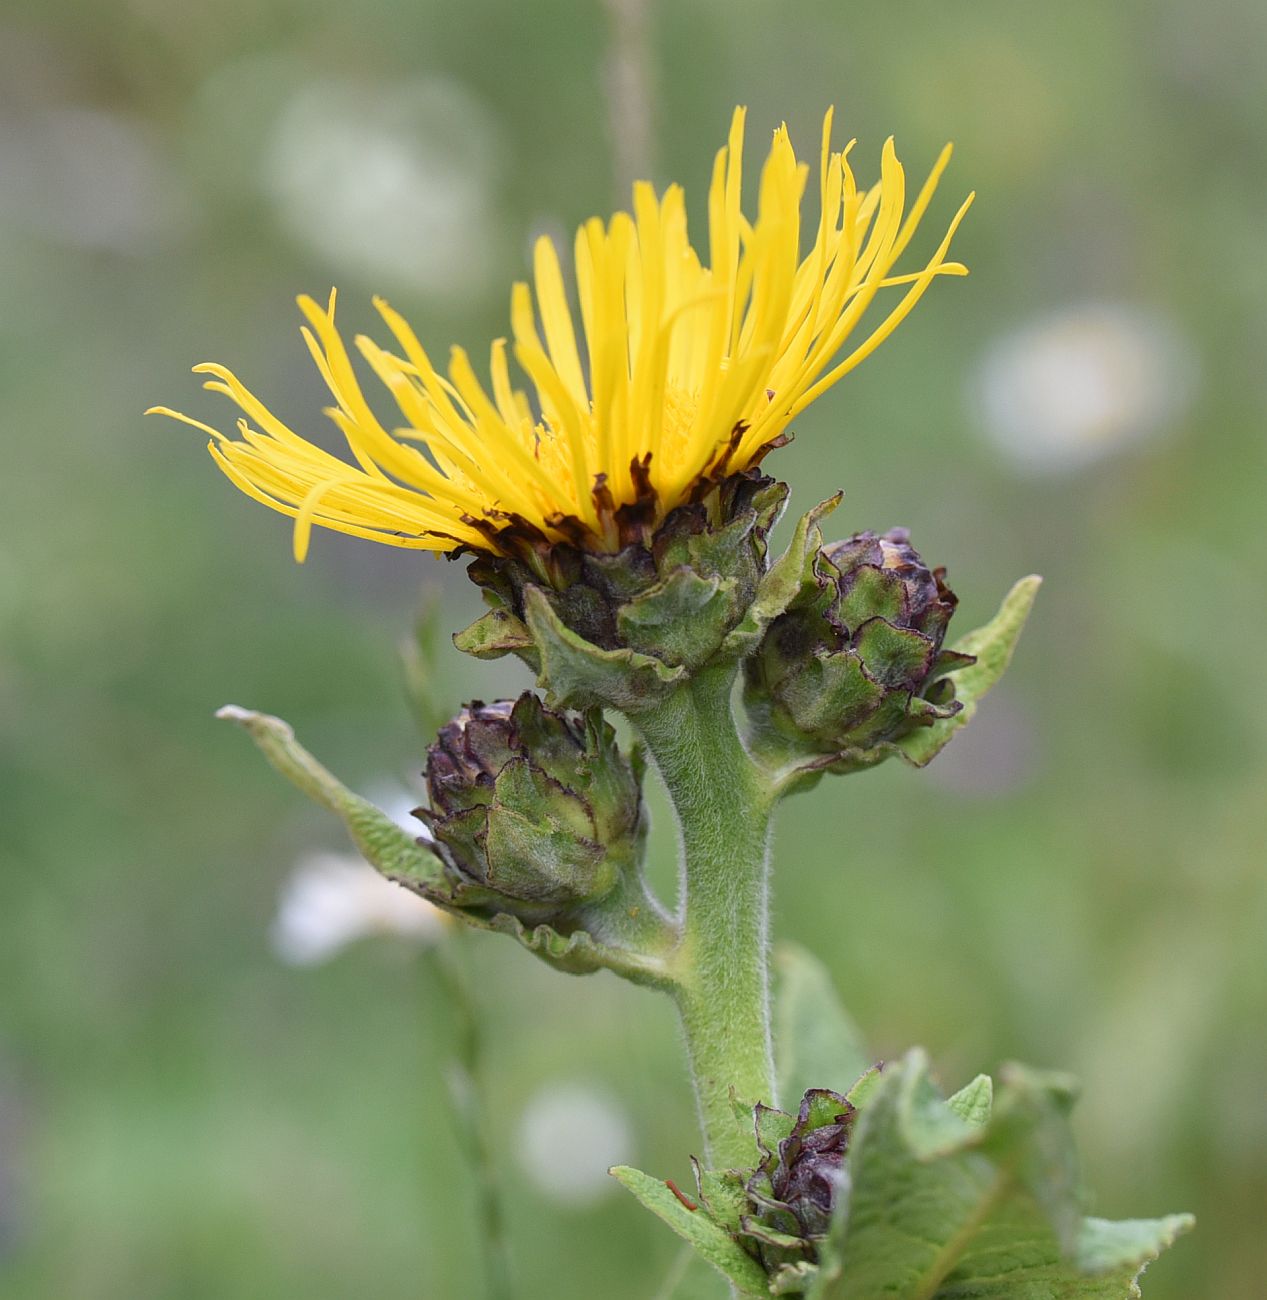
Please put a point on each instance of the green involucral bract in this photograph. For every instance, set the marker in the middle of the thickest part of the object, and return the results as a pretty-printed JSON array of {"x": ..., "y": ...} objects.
[
  {"x": 623, "y": 628},
  {"x": 532, "y": 813},
  {"x": 857, "y": 661}
]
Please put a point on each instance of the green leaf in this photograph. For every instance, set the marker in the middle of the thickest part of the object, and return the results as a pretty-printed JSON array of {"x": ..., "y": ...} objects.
[
  {"x": 723, "y": 1193},
  {"x": 816, "y": 1043},
  {"x": 992, "y": 646},
  {"x": 859, "y": 1096},
  {"x": 1104, "y": 1245},
  {"x": 711, "y": 1241},
  {"x": 576, "y": 673},
  {"x": 382, "y": 843},
  {"x": 974, "y": 1101},
  {"x": 968, "y": 1200},
  {"x": 771, "y": 1126}
]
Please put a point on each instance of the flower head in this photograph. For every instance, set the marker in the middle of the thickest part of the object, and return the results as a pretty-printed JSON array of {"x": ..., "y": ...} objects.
[{"x": 684, "y": 369}]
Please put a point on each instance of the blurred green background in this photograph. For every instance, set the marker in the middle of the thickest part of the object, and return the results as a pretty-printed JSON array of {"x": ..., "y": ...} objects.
[{"x": 1078, "y": 882}]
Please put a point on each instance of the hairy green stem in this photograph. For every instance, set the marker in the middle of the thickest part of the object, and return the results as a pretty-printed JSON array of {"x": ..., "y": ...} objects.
[{"x": 723, "y": 807}]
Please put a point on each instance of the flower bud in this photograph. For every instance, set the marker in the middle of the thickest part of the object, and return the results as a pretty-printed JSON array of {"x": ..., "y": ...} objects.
[
  {"x": 793, "y": 1191},
  {"x": 857, "y": 659},
  {"x": 532, "y": 812}
]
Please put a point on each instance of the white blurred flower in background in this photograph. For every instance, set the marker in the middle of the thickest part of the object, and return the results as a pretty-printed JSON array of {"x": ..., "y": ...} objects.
[
  {"x": 332, "y": 899},
  {"x": 398, "y": 801},
  {"x": 1082, "y": 383},
  {"x": 395, "y": 181},
  {"x": 569, "y": 1135}
]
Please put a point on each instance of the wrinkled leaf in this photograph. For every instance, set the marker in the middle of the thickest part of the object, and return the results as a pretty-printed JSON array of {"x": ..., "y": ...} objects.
[
  {"x": 722, "y": 1192},
  {"x": 974, "y": 1101},
  {"x": 579, "y": 953},
  {"x": 497, "y": 633},
  {"x": 786, "y": 578},
  {"x": 681, "y": 620},
  {"x": 1104, "y": 1245},
  {"x": 967, "y": 1200}
]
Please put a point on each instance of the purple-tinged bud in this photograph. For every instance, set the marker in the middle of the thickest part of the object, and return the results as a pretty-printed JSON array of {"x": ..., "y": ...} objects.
[
  {"x": 532, "y": 812},
  {"x": 793, "y": 1191},
  {"x": 858, "y": 658}
]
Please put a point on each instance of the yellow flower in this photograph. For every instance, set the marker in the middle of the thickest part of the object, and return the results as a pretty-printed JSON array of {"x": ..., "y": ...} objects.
[{"x": 689, "y": 372}]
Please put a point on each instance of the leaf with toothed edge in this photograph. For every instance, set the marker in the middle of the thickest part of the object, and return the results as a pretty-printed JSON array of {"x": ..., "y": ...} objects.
[
  {"x": 975, "y": 1197},
  {"x": 578, "y": 953},
  {"x": 402, "y": 859},
  {"x": 722, "y": 1193},
  {"x": 960, "y": 1199},
  {"x": 988, "y": 651},
  {"x": 682, "y": 619},
  {"x": 974, "y": 1101}
]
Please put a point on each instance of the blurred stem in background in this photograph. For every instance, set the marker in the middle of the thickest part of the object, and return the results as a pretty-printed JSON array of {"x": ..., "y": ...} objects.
[
  {"x": 449, "y": 960},
  {"x": 628, "y": 83},
  {"x": 418, "y": 653},
  {"x": 676, "y": 1275}
]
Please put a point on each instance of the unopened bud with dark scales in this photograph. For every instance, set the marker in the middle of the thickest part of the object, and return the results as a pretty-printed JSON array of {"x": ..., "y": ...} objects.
[
  {"x": 794, "y": 1190},
  {"x": 857, "y": 659},
  {"x": 533, "y": 812}
]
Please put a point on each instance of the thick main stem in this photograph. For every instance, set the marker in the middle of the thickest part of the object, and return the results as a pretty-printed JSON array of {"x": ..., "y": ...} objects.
[{"x": 723, "y": 809}]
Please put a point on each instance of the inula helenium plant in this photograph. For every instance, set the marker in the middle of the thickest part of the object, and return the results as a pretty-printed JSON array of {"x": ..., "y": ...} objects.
[{"x": 618, "y": 524}]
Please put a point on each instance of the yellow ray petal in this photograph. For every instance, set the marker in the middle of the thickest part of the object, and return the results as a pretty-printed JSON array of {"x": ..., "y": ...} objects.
[{"x": 699, "y": 366}]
